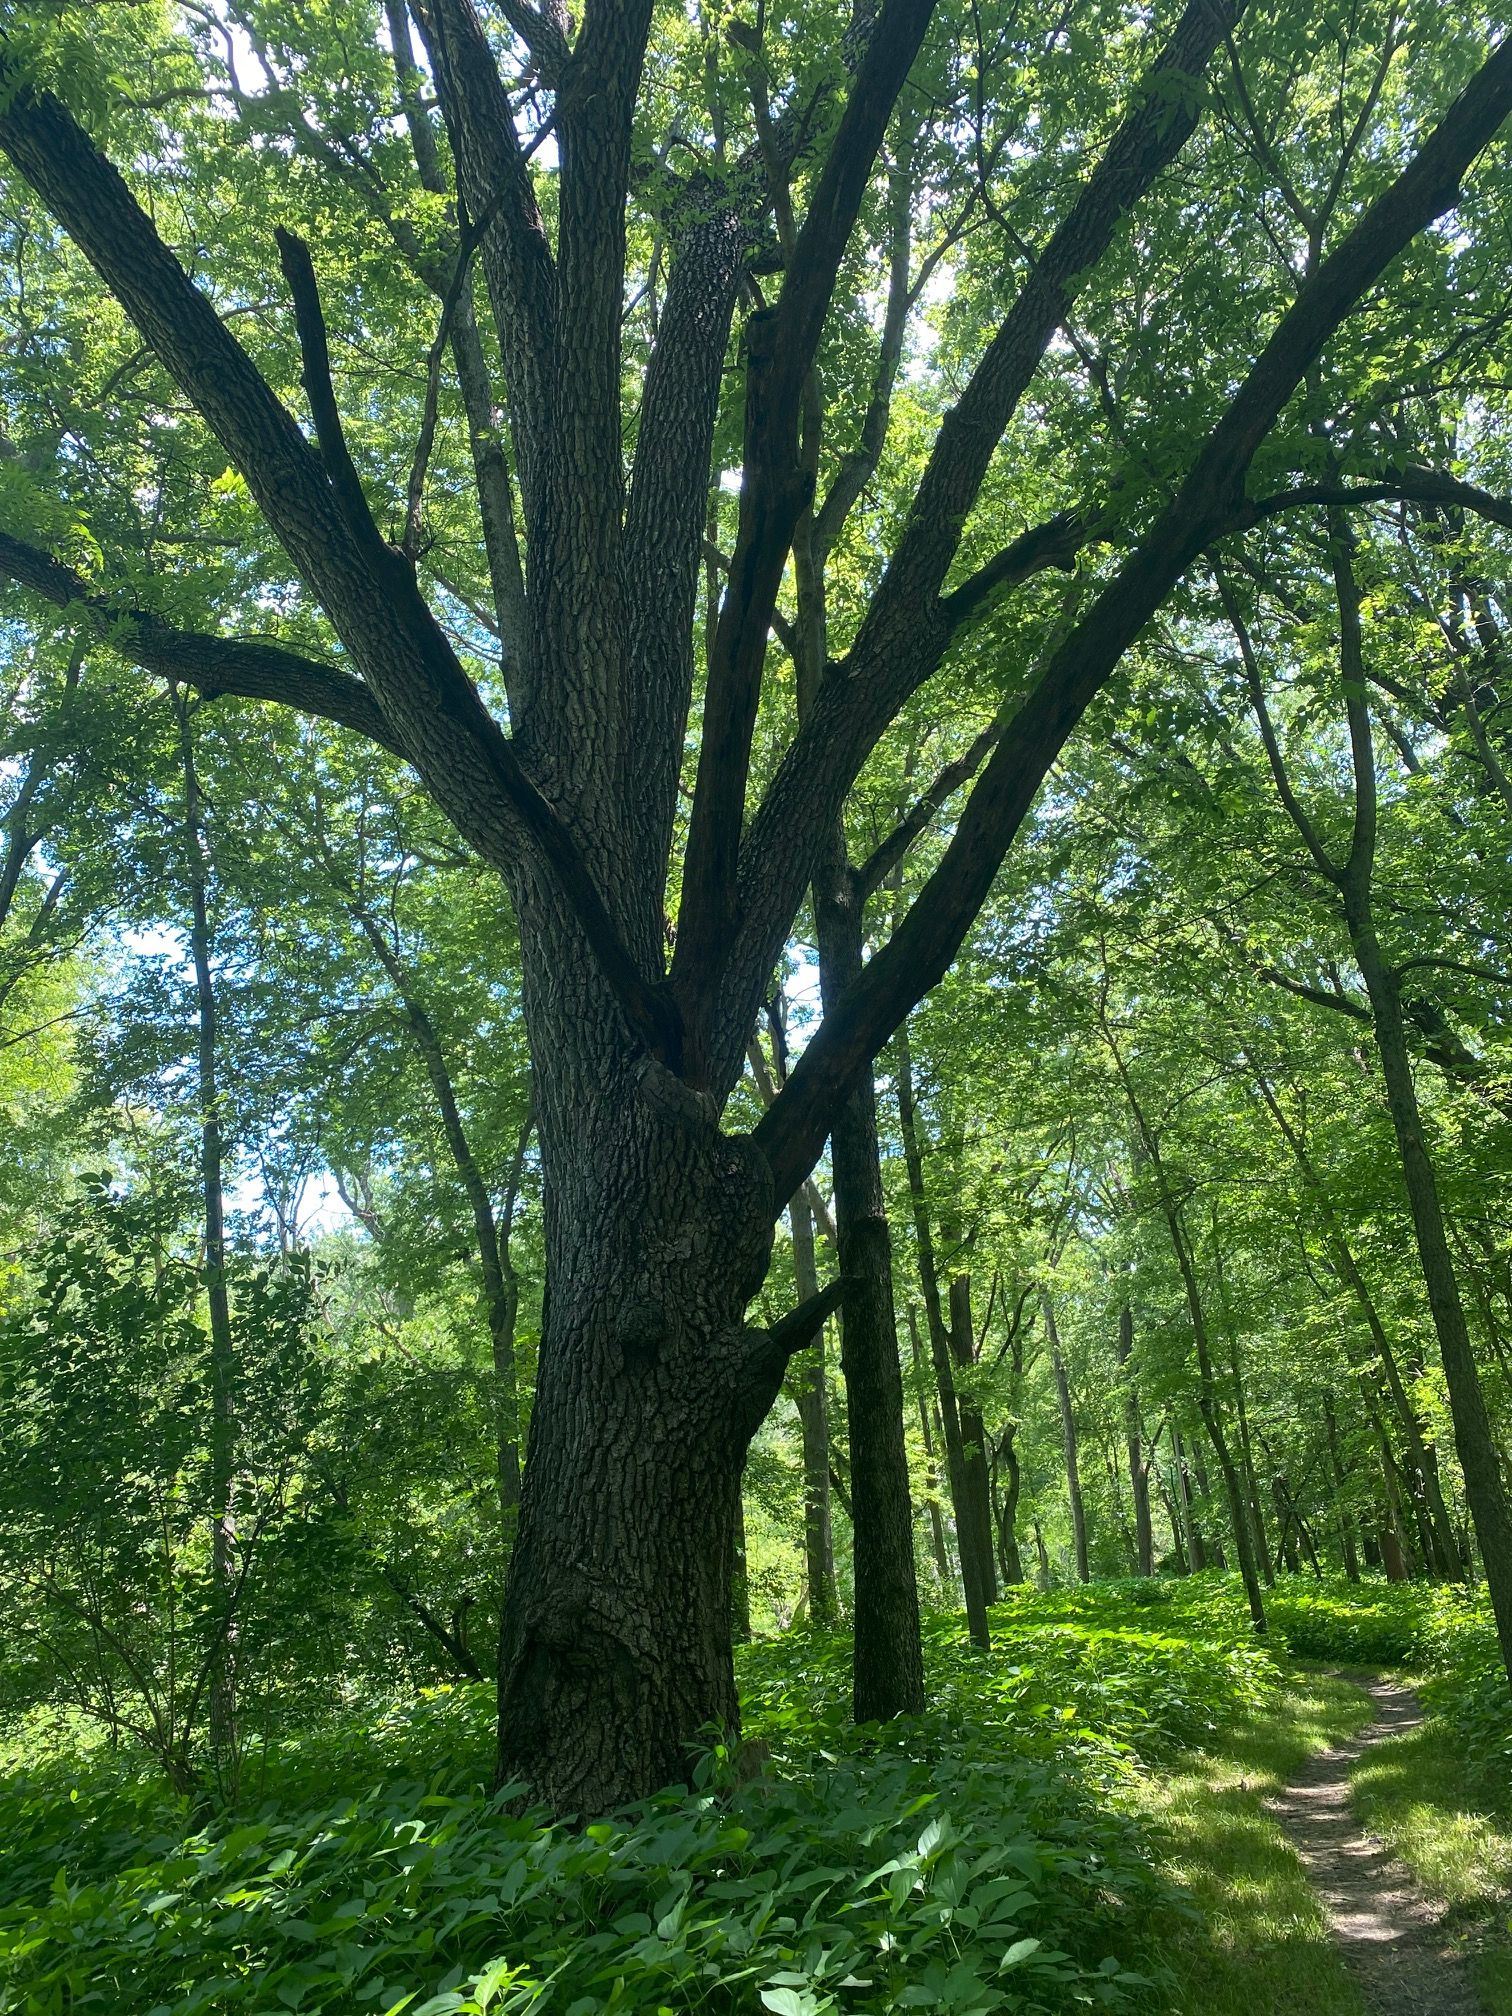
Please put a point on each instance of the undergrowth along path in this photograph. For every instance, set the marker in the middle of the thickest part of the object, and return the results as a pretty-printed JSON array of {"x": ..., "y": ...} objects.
[{"x": 1389, "y": 1932}]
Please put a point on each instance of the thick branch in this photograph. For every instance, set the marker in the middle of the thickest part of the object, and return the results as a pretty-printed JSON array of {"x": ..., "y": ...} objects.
[
  {"x": 1417, "y": 486},
  {"x": 309, "y": 321},
  {"x": 780, "y": 344},
  {"x": 907, "y": 628},
  {"x": 664, "y": 524},
  {"x": 543, "y": 31},
  {"x": 517, "y": 264},
  {"x": 768, "y": 1351},
  {"x": 212, "y": 665},
  {"x": 1212, "y": 495},
  {"x": 368, "y": 590}
]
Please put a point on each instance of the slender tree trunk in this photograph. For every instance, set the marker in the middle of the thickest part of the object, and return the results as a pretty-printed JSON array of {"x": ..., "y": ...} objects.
[
  {"x": 973, "y": 1437},
  {"x": 1394, "y": 1554},
  {"x": 1207, "y": 1398},
  {"x": 1187, "y": 1499},
  {"x": 500, "y": 1288},
  {"x": 818, "y": 1537},
  {"x": 1485, "y": 1488},
  {"x": 1176, "y": 1508},
  {"x": 1247, "y": 1463},
  {"x": 1042, "y": 1556},
  {"x": 1351, "y": 880},
  {"x": 1068, "y": 1443},
  {"x": 1341, "y": 1484},
  {"x": 1427, "y": 1498},
  {"x": 1010, "y": 1559},
  {"x": 888, "y": 1675},
  {"x": 973, "y": 1579},
  {"x": 1205, "y": 1491},
  {"x": 223, "y": 1716},
  {"x": 944, "y": 1573},
  {"x": 1139, "y": 1469}
]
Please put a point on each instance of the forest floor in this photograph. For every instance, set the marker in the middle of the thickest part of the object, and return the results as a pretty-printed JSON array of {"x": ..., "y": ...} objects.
[
  {"x": 1395, "y": 1939},
  {"x": 1130, "y": 1805},
  {"x": 1339, "y": 1864}
]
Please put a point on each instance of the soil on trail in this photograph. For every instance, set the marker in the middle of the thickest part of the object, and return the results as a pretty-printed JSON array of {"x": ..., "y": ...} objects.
[{"x": 1388, "y": 1931}]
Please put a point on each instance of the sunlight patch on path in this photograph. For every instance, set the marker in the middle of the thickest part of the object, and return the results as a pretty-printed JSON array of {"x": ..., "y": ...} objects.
[{"x": 1386, "y": 1928}]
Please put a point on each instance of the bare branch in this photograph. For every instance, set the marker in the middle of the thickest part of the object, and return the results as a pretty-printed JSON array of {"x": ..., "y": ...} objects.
[
  {"x": 314, "y": 350},
  {"x": 212, "y": 665},
  {"x": 875, "y": 870}
]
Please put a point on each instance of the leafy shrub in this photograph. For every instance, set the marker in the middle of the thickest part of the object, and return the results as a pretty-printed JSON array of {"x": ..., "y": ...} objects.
[
  {"x": 969, "y": 1858},
  {"x": 901, "y": 1873}
]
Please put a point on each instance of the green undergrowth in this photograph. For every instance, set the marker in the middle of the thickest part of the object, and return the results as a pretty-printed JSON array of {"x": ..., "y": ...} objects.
[
  {"x": 980, "y": 1857},
  {"x": 1044, "y": 1838}
]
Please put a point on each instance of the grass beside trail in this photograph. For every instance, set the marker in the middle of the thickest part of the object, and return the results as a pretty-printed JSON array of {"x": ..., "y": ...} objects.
[
  {"x": 1418, "y": 1795},
  {"x": 1075, "y": 1822},
  {"x": 1262, "y": 1944}
]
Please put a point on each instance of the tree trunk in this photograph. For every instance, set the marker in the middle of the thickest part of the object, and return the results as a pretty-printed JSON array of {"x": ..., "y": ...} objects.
[
  {"x": 1139, "y": 1469},
  {"x": 1042, "y": 1557},
  {"x": 1207, "y": 1397},
  {"x": 1341, "y": 1509},
  {"x": 1394, "y": 1555},
  {"x": 615, "y": 1648},
  {"x": 1009, "y": 1558},
  {"x": 818, "y": 1536},
  {"x": 1176, "y": 1508},
  {"x": 1068, "y": 1443},
  {"x": 888, "y": 1673},
  {"x": 1205, "y": 1488},
  {"x": 1485, "y": 1489},
  {"x": 1428, "y": 1499},
  {"x": 1186, "y": 1498},
  {"x": 223, "y": 1576},
  {"x": 944, "y": 1573},
  {"x": 496, "y": 1275},
  {"x": 968, "y": 1534},
  {"x": 1247, "y": 1465},
  {"x": 974, "y": 1475}
]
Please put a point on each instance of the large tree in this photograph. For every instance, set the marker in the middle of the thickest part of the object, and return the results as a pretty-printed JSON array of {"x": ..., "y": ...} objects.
[{"x": 751, "y": 165}]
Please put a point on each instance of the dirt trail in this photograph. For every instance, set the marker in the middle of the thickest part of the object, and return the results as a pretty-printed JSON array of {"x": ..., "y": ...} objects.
[{"x": 1387, "y": 1930}]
